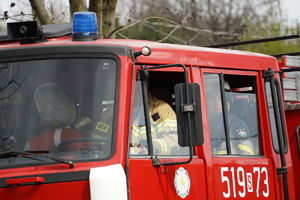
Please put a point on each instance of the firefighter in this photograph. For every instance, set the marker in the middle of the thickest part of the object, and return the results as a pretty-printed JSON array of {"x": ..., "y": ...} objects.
[
  {"x": 239, "y": 133},
  {"x": 12, "y": 120},
  {"x": 163, "y": 90},
  {"x": 163, "y": 126}
]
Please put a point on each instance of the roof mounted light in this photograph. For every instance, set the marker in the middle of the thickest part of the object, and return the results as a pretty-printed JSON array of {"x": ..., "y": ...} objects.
[
  {"x": 146, "y": 51},
  {"x": 84, "y": 26}
]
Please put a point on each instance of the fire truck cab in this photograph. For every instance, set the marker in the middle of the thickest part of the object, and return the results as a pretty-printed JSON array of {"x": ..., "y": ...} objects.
[{"x": 88, "y": 118}]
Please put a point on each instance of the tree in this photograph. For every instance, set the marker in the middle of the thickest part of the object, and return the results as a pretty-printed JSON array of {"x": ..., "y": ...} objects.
[
  {"x": 40, "y": 12},
  {"x": 191, "y": 22},
  {"x": 196, "y": 22},
  {"x": 9, "y": 14},
  {"x": 209, "y": 22},
  {"x": 274, "y": 25},
  {"x": 105, "y": 10}
]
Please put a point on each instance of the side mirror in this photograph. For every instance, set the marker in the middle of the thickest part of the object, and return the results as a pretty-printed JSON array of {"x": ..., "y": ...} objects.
[{"x": 188, "y": 111}]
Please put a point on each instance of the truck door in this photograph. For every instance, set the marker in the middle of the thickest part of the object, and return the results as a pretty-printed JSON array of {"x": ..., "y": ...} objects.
[
  {"x": 147, "y": 178},
  {"x": 290, "y": 80},
  {"x": 279, "y": 147},
  {"x": 241, "y": 168}
]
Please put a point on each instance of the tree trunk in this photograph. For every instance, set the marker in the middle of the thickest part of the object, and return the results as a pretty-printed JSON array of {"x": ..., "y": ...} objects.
[
  {"x": 105, "y": 10},
  {"x": 40, "y": 11},
  {"x": 77, "y": 6}
]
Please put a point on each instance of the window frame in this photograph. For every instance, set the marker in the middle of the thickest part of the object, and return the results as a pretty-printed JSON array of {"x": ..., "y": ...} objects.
[
  {"x": 95, "y": 56},
  {"x": 281, "y": 125},
  {"x": 254, "y": 74}
]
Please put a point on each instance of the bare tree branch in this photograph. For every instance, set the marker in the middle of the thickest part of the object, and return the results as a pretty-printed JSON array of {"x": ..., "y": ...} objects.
[
  {"x": 182, "y": 22},
  {"x": 40, "y": 12}
]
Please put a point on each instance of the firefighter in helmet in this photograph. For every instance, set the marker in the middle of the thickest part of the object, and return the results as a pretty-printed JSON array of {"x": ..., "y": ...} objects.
[
  {"x": 240, "y": 140},
  {"x": 12, "y": 120}
]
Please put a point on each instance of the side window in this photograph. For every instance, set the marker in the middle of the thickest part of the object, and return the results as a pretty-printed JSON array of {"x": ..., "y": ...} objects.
[
  {"x": 139, "y": 145},
  {"x": 233, "y": 117},
  {"x": 163, "y": 125},
  {"x": 271, "y": 104},
  {"x": 215, "y": 113}
]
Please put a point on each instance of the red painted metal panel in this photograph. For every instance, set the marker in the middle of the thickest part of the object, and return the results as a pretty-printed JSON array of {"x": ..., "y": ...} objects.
[
  {"x": 67, "y": 190},
  {"x": 243, "y": 178},
  {"x": 293, "y": 120},
  {"x": 210, "y": 178},
  {"x": 150, "y": 182}
]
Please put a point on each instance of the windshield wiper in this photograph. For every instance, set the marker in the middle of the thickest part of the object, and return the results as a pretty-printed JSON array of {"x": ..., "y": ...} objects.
[{"x": 35, "y": 153}]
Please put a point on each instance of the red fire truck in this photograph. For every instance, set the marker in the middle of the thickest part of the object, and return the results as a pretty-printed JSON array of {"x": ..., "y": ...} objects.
[{"x": 80, "y": 118}]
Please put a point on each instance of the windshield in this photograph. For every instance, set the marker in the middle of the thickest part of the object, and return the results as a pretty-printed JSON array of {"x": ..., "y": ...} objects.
[{"x": 54, "y": 107}]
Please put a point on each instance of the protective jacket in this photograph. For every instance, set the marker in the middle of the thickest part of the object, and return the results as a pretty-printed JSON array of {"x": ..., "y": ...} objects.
[
  {"x": 163, "y": 128},
  {"x": 240, "y": 138}
]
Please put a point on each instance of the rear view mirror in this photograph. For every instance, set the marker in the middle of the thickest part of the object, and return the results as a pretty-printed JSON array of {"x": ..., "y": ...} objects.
[{"x": 188, "y": 111}]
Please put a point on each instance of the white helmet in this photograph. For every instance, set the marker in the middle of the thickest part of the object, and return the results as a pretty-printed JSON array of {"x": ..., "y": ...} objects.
[{"x": 54, "y": 105}]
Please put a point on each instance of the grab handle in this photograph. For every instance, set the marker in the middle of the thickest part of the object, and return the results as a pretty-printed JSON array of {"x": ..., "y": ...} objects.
[
  {"x": 19, "y": 181},
  {"x": 298, "y": 139}
]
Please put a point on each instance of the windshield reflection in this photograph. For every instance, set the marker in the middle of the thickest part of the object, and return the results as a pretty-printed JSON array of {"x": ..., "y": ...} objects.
[{"x": 57, "y": 105}]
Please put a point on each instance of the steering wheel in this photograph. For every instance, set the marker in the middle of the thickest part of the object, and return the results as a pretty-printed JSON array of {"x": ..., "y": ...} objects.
[{"x": 60, "y": 146}]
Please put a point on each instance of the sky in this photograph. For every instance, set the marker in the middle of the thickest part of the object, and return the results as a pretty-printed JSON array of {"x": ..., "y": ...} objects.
[{"x": 290, "y": 8}]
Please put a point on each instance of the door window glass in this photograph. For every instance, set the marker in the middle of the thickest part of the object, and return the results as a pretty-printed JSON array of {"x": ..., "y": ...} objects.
[
  {"x": 233, "y": 118},
  {"x": 163, "y": 126}
]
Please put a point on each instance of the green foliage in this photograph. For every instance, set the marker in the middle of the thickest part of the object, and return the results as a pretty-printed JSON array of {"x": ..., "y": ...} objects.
[
  {"x": 276, "y": 47},
  {"x": 272, "y": 26}
]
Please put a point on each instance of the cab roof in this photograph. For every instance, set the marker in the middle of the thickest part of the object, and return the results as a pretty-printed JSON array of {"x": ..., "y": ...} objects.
[{"x": 162, "y": 53}]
